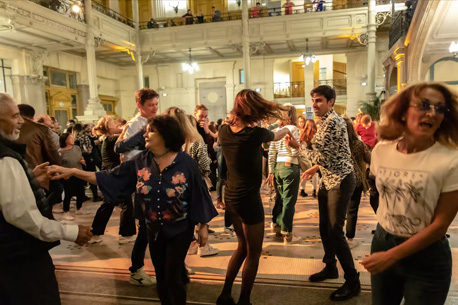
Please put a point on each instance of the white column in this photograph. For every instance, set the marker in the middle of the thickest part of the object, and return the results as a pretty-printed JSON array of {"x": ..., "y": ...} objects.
[
  {"x": 246, "y": 44},
  {"x": 94, "y": 110},
  {"x": 138, "y": 51},
  {"x": 371, "y": 50},
  {"x": 308, "y": 84}
]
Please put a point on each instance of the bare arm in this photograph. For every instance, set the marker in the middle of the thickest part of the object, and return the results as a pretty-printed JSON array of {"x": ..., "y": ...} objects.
[
  {"x": 58, "y": 172},
  {"x": 279, "y": 134},
  {"x": 444, "y": 214}
]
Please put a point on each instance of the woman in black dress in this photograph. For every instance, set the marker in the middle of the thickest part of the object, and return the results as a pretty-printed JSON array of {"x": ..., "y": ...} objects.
[{"x": 241, "y": 147}]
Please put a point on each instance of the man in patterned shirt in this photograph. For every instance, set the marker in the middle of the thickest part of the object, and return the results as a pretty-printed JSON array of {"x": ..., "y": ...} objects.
[{"x": 331, "y": 154}]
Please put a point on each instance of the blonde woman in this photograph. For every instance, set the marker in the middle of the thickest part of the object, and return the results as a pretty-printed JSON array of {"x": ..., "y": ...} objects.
[
  {"x": 416, "y": 171},
  {"x": 195, "y": 147}
]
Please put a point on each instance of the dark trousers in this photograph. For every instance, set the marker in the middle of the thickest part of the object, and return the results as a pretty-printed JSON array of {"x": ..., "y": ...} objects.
[
  {"x": 422, "y": 278},
  {"x": 54, "y": 195},
  {"x": 126, "y": 222},
  {"x": 332, "y": 207},
  {"x": 29, "y": 281},
  {"x": 213, "y": 176},
  {"x": 138, "y": 252},
  {"x": 168, "y": 259},
  {"x": 352, "y": 211},
  {"x": 73, "y": 187}
]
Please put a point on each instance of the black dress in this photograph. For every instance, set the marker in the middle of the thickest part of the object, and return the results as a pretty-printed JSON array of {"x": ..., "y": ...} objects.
[{"x": 243, "y": 154}]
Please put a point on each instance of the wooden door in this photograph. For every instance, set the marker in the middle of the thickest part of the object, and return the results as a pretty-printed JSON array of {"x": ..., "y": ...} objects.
[
  {"x": 297, "y": 79},
  {"x": 206, "y": 6}
]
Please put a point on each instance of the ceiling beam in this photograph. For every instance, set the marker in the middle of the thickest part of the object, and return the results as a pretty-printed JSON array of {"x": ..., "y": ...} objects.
[
  {"x": 268, "y": 49},
  {"x": 291, "y": 45},
  {"x": 215, "y": 52}
]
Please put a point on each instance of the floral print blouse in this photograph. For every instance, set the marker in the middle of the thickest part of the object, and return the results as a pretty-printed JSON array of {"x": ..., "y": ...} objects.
[{"x": 171, "y": 199}]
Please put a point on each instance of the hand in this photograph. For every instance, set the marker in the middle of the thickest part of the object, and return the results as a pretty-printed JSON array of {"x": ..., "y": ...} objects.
[
  {"x": 83, "y": 161},
  {"x": 84, "y": 235},
  {"x": 59, "y": 172},
  {"x": 308, "y": 174},
  {"x": 270, "y": 180},
  {"x": 202, "y": 234},
  {"x": 378, "y": 262},
  {"x": 204, "y": 125},
  {"x": 287, "y": 140},
  {"x": 41, "y": 174}
]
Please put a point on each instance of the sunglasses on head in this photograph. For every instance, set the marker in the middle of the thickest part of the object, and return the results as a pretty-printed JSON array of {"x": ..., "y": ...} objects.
[{"x": 425, "y": 105}]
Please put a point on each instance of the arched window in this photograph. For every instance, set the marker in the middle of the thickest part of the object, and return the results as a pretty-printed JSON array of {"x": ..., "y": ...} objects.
[{"x": 444, "y": 70}]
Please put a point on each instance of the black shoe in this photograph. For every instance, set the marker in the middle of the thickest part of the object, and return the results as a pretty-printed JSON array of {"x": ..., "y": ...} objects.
[
  {"x": 210, "y": 231},
  {"x": 96, "y": 199},
  {"x": 314, "y": 194},
  {"x": 348, "y": 290},
  {"x": 223, "y": 300},
  {"x": 86, "y": 198},
  {"x": 326, "y": 273},
  {"x": 373, "y": 231},
  {"x": 303, "y": 194}
]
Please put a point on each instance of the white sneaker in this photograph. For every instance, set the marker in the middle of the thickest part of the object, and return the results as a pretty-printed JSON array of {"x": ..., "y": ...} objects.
[
  {"x": 352, "y": 243},
  {"x": 127, "y": 239},
  {"x": 82, "y": 211},
  {"x": 290, "y": 238},
  {"x": 207, "y": 250},
  {"x": 95, "y": 239},
  {"x": 193, "y": 248},
  {"x": 140, "y": 278},
  {"x": 57, "y": 208},
  {"x": 229, "y": 230},
  {"x": 67, "y": 216}
]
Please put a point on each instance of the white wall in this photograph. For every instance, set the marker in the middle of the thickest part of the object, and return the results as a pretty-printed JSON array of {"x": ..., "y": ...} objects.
[{"x": 282, "y": 70}]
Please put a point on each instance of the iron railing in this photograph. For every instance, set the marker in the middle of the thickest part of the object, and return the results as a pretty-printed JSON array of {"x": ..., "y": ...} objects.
[
  {"x": 63, "y": 7},
  {"x": 338, "y": 84},
  {"x": 113, "y": 14},
  {"x": 288, "y": 89},
  {"x": 401, "y": 22}
]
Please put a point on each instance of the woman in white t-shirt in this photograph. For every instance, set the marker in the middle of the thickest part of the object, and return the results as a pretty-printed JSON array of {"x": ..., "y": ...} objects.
[{"x": 416, "y": 170}]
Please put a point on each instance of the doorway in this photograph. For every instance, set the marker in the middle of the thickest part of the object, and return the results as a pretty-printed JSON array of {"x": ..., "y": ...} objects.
[{"x": 213, "y": 96}]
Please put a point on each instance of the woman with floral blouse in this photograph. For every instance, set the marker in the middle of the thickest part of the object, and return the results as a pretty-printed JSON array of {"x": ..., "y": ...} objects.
[{"x": 173, "y": 197}]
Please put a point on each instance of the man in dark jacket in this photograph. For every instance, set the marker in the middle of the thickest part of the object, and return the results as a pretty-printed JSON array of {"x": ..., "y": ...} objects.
[{"x": 27, "y": 230}]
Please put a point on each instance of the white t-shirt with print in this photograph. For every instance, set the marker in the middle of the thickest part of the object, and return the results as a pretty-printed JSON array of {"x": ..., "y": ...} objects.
[{"x": 410, "y": 185}]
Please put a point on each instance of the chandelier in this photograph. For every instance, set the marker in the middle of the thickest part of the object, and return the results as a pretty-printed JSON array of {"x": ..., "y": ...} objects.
[
  {"x": 308, "y": 57},
  {"x": 190, "y": 66}
]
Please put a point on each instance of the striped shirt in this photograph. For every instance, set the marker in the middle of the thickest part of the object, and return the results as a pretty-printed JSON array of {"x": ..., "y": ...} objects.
[{"x": 278, "y": 152}]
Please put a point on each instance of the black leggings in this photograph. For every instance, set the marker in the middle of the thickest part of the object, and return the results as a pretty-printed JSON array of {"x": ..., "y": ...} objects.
[
  {"x": 168, "y": 259},
  {"x": 73, "y": 187}
]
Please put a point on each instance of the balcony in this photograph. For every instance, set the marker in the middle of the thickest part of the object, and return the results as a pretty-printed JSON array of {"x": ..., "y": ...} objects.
[
  {"x": 112, "y": 14},
  {"x": 401, "y": 23},
  {"x": 63, "y": 7},
  {"x": 296, "y": 89}
]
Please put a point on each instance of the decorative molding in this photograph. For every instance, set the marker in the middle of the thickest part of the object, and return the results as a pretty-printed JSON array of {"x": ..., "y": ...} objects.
[
  {"x": 362, "y": 38},
  {"x": 98, "y": 41},
  {"x": 151, "y": 53},
  {"x": 254, "y": 47},
  {"x": 7, "y": 24},
  {"x": 13, "y": 10},
  {"x": 37, "y": 61},
  {"x": 381, "y": 17}
]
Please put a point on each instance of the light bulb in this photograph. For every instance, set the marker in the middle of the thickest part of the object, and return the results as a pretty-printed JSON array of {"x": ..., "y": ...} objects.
[
  {"x": 307, "y": 60},
  {"x": 76, "y": 8}
]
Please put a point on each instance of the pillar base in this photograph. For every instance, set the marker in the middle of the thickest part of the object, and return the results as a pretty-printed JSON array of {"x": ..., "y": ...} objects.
[
  {"x": 371, "y": 96},
  {"x": 93, "y": 112}
]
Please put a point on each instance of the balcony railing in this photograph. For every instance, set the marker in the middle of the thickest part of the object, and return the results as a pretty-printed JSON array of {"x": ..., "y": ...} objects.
[
  {"x": 288, "y": 89},
  {"x": 320, "y": 6},
  {"x": 338, "y": 84},
  {"x": 113, "y": 14},
  {"x": 401, "y": 23},
  {"x": 63, "y": 7}
]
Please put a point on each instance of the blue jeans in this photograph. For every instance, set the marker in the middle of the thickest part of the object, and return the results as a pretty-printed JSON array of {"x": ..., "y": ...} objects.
[
  {"x": 422, "y": 278},
  {"x": 287, "y": 179}
]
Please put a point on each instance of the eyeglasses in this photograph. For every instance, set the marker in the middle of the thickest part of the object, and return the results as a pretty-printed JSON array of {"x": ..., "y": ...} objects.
[{"x": 426, "y": 106}]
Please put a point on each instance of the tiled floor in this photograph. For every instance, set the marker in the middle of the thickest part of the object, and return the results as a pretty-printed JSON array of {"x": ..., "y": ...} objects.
[{"x": 290, "y": 265}]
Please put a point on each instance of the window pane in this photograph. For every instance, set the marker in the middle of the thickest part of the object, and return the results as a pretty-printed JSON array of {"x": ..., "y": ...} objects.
[
  {"x": 72, "y": 80},
  {"x": 61, "y": 116},
  {"x": 74, "y": 113},
  {"x": 109, "y": 108},
  {"x": 45, "y": 74},
  {"x": 105, "y": 106},
  {"x": 242, "y": 76},
  {"x": 58, "y": 78},
  {"x": 146, "y": 82},
  {"x": 73, "y": 100}
]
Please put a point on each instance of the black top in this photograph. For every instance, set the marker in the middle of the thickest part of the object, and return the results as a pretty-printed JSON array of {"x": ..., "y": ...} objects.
[
  {"x": 171, "y": 200},
  {"x": 110, "y": 159},
  {"x": 209, "y": 140},
  {"x": 243, "y": 154}
]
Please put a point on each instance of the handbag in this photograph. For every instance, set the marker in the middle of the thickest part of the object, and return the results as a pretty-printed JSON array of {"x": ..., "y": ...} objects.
[{"x": 304, "y": 162}]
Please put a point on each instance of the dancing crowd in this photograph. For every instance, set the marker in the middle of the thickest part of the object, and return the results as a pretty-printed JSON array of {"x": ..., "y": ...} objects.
[{"x": 160, "y": 170}]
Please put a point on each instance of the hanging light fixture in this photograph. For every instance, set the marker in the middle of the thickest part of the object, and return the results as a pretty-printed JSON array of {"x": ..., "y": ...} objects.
[
  {"x": 190, "y": 66},
  {"x": 453, "y": 48},
  {"x": 76, "y": 7},
  {"x": 308, "y": 57}
]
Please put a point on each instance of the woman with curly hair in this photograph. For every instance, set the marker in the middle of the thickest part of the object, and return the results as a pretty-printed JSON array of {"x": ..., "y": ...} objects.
[{"x": 416, "y": 171}]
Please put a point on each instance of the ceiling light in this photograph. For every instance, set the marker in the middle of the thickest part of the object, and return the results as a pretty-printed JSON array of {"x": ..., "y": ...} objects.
[
  {"x": 453, "y": 48},
  {"x": 190, "y": 66},
  {"x": 308, "y": 57},
  {"x": 76, "y": 7}
]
